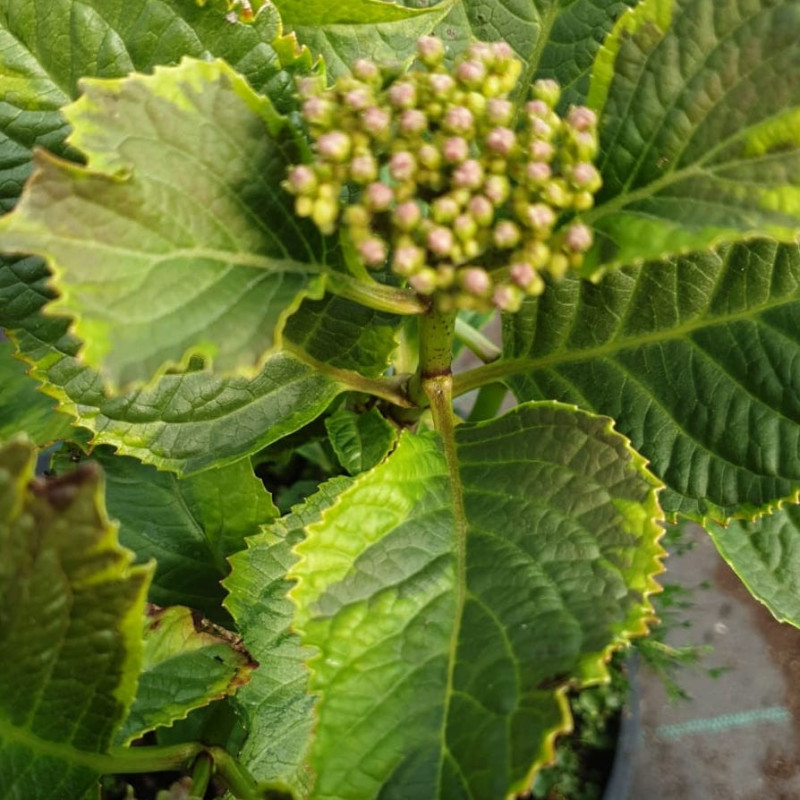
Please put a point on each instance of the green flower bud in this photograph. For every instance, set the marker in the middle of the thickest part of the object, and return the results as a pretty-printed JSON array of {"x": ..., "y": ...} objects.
[
  {"x": 537, "y": 173},
  {"x": 509, "y": 76},
  {"x": 585, "y": 176},
  {"x": 378, "y": 196},
  {"x": 584, "y": 145},
  {"x": 476, "y": 103},
  {"x": 440, "y": 241},
  {"x": 506, "y": 234},
  {"x": 446, "y": 275},
  {"x": 540, "y": 217},
  {"x": 444, "y": 209},
  {"x": 425, "y": 281},
  {"x": 541, "y": 151},
  {"x": 304, "y": 206},
  {"x": 537, "y": 253},
  {"x": 318, "y": 111},
  {"x": 408, "y": 260},
  {"x": 324, "y": 214},
  {"x": 310, "y": 87},
  {"x": 357, "y": 216},
  {"x": 482, "y": 210},
  {"x": 301, "y": 180},
  {"x": 557, "y": 194},
  {"x": 441, "y": 85},
  {"x": 358, "y": 99},
  {"x": 430, "y": 50},
  {"x": 403, "y": 94},
  {"x": 499, "y": 111},
  {"x": 582, "y": 201},
  {"x": 429, "y": 156},
  {"x": 377, "y": 122},
  {"x": 334, "y": 146},
  {"x": 465, "y": 227},
  {"x": 578, "y": 238},
  {"x": 548, "y": 91},
  {"x": 497, "y": 188},
  {"x": 507, "y": 298},
  {"x": 367, "y": 71},
  {"x": 559, "y": 264},
  {"x": 363, "y": 169},
  {"x": 407, "y": 216}
]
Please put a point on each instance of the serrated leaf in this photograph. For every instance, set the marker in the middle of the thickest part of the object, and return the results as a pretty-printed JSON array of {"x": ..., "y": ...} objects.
[
  {"x": 189, "y": 526},
  {"x": 765, "y": 554},
  {"x": 699, "y": 129},
  {"x": 276, "y": 702},
  {"x": 71, "y": 611},
  {"x": 347, "y": 30},
  {"x": 695, "y": 360},
  {"x": 188, "y": 422},
  {"x": 184, "y": 668},
  {"x": 23, "y": 407},
  {"x": 177, "y": 239},
  {"x": 453, "y": 592},
  {"x": 360, "y": 441},
  {"x": 98, "y": 38}
]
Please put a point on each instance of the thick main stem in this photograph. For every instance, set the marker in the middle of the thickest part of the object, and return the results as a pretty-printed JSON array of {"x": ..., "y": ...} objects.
[{"x": 433, "y": 383}]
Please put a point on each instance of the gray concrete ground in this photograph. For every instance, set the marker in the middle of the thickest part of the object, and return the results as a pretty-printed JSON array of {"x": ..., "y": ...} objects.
[{"x": 738, "y": 738}]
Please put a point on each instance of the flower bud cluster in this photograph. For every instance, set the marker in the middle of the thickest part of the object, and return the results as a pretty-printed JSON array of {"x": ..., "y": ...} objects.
[{"x": 449, "y": 189}]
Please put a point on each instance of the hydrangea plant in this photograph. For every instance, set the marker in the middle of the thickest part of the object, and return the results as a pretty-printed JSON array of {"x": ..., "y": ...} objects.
[{"x": 244, "y": 243}]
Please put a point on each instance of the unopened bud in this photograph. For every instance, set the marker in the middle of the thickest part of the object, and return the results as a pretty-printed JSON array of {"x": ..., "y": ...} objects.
[
  {"x": 455, "y": 149},
  {"x": 459, "y": 120},
  {"x": 548, "y": 91},
  {"x": 407, "y": 260},
  {"x": 363, "y": 169},
  {"x": 579, "y": 238},
  {"x": 425, "y": 281},
  {"x": 537, "y": 109},
  {"x": 582, "y": 118},
  {"x": 481, "y": 52},
  {"x": 585, "y": 176},
  {"x": 541, "y": 129},
  {"x": 481, "y": 209},
  {"x": 413, "y": 121},
  {"x": 367, "y": 71},
  {"x": 506, "y": 234},
  {"x": 444, "y": 209},
  {"x": 468, "y": 175},
  {"x": 302, "y": 180},
  {"x": 537, "y": 173},
  {"x": 373, "y": 251},
  {"x": 557, "y": 194},
  {"x": 407, "y": 215},
  {"x": 376, "y": 121},
  {"x": 304, "y": 206},
  {"x": 471, "y": 73},
  {"x": 502, "y": 52},
  {"x": 441, "y": 85},
  {"x": 357, "y": 99},
  {"x": 465, "y": 227},
  {"x": 475, "y": 280},
  {"x": 507, "y": 298},
  {"x": 318, "y": 111},
  {"x": 540, "y": 217},
  {"x": 582, "y": 201},
  {"x": 402, "y": 166},
  {"x": 497, "y": 188},
  {"x": 324, "y": 214},
  {"x": 522, "y": 273},
  {"x": 335, "y": 146},
  {"x": 584, "y": 144},
  {"x": 309, "y": 87},
  {"x": 378, "y": 196},
  {"x": 499, "y": 111},
  {"x": 402, "y": 94},
  {"x": 541, "y": 151},
  {"x": 430, "y": 50},
  {"x": 558, "y": 266},
  {"x": 357, "y": 217},
  {"x": 429, "y": 156},
  {"x": 501, "y": 140},
  {"x": 440, "y": 240}
]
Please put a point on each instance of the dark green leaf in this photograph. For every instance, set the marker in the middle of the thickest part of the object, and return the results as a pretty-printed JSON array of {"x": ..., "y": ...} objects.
[
  {"x": 695, "y": 359},
  {"x": 360, "y": 440},
  {"x": 452, "y": 593}
]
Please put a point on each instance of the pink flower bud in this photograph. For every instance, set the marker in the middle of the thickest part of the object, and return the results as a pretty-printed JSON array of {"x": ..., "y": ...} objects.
[
  {"x": 539, "y": 216},
  {"x": 468, "y": 175},
  {"x": 441, "y": 84},
  {"x": 522, "y": 273},
  {"x": 444, "y": 209},
  {"x": 309, "y": 87},
  {"x": 537, "y": 172},
  {"x": 402, "y": 166},
  {"x": 459, "y": 120},
  {"x": 407, "y": 215},
  {"x": 357, "y": 99},
  {"x": 501, "y": 140},
  {"x": 547, "y": 90},
  {"x": 541, "y": 151},
  {"x": 537, "y": 108},
  {"x": 430, "y": 50},
  {"x": 541, "y": 129},
  {"x": 407, "y": 260},
  {"x": 378, "y": 196},
  {"x": 476, "y": 281},
  {"x": 506, "y": 234},
  {"x": 413, "y": 121},
  {"x": 376, "y": 121},
  {"x": 502, "y": 51},
  {"x": 334, "y": 146},
  {"x": 481, "y": 52},
  {"x": 465, "y": 227},
  {"x": 507, "y": 298},
  {"x": 455, "y": 149},
  {"x": 582, "y": 118},
  {"x": 471, "y": 73},
  {"x": 497, "y": 188},
  {"x": 585, "y": 143},
  {"x": 579, "y": 238},
  {"x": 481, "y": 209},
  {"x": 585, "y": 176},
  {"x": 366, "y": 70},
  {"x": 440, "y": 240},
  {"x": 402, "y": 94},
  {"x": 317, "y": 111},
  {"x": 425, "y": 281},
  {"x": 363, "y": 169},
  {"x": 373, "y": 251},
  {"x": 302, "y": 180},
  {"x": 499, "y": 111}
]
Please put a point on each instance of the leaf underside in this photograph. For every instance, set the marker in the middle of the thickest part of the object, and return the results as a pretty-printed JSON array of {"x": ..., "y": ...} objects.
[
  {"x": 71, "y": 611},
  {"x": 449, "y": 609}
]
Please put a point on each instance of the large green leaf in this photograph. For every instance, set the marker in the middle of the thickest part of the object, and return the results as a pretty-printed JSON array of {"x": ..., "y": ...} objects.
[
  {"x": 276, "y": 702},
  {"x": 71, "y": 612},
  {"x": 765, "y": 554},
  {"x": 187, "y": 422},
  {"x": 109, "y": 39},
  {"x": 695, "y": 359},
  {"x": 23, "y": 407},
  {"x": 177, "y": 239},
  {"x": 189, "y": 526},
  {"x": 360, "y": 441},
  {"x": 344, "y": 31},
  {"x": 700, "y": 128},
  {"x": 184, "y": 667},
  {"x": 453, "y": 592}
]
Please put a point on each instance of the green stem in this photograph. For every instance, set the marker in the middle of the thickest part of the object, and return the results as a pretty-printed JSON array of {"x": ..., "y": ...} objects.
[
  {"x": 436, "y": 333},
  {"x": 486, "y": 350},
  {"x": 376, "y": 295},
  {"x": 201, "y": 774},
  {"x": 147, "y": 759},
  {"x": 489, "y": 373},
  {"x": 236, "y": 777},
  {"x": 488, "y": 402}
]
